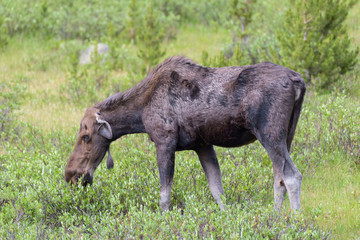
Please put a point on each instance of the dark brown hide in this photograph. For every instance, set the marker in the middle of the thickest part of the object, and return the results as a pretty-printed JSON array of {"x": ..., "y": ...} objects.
[{"x": 185, "y": 106}]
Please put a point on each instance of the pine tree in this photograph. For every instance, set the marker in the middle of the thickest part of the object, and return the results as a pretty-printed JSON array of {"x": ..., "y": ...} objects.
[
  {"x": 238, "y": 58},
  {"x": 133, "y": 20},
  {"x": 150, "y": 38},
  {"x": 4, "y": 37},
  {"x": 314, "y": 41},
  {"x": 240, "y": 16}
]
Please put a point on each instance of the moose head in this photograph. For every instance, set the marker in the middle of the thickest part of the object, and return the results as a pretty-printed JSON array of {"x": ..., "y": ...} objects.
[{"x": 94, "y": 138}]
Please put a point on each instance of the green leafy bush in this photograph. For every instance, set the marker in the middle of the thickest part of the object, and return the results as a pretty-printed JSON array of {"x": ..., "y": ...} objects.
[
  {"x": 11, "y": 95},
  {"x": 84, "y": 81},
  {"x": 90, "y": 83},
  {"x": 330, "y": 124},
  {"x": 62, "y": 19},
  {"x": 75, "y": 19},
  {"x": 21, "y": 16}
]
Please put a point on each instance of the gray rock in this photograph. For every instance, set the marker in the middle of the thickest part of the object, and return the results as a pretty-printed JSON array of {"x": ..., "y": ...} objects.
[{"x": 85, "y": 56}]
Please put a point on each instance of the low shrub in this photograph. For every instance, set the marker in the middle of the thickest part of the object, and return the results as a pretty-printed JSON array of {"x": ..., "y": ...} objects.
[
  {"x": 11, "y": 96},
  {"x": 123, "y": 202}
]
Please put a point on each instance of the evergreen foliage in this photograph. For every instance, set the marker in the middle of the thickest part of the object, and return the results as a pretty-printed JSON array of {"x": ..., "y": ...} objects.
[
  {"x": 117, "y": 50},
  {"x": 150, "y": 38},
  {"x": 240, "y": 16},
  {"x": 238, "y": 58},
  {"x": 4, "y": 37},
  {"x": 133, "y": 20},
  {"x": 314, "y": 41}
]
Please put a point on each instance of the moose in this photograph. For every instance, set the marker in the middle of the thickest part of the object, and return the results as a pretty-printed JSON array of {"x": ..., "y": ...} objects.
[{"x": 185, "y": 106}]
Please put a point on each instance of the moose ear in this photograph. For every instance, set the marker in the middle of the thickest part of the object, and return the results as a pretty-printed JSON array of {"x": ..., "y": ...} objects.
[{"x": 105, "y": 128}]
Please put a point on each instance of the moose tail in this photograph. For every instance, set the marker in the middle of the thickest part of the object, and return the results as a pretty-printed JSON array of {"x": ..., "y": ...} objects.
[{"x": 300, "y": 89}]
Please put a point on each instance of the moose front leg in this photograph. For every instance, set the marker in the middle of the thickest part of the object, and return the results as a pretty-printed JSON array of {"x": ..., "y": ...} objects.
[
  {"x": 166, "y": 163},
  {"x": 162, "y": 131},
  {"x": 210, "y": 164}
]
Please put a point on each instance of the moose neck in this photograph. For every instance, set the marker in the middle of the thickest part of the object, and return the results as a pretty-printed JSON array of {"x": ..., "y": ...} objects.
[
  {"x": 123, "y": 113},
  {"x": 124, "y": 110}
]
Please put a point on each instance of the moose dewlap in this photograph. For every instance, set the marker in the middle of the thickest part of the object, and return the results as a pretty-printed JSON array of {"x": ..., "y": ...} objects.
[{"x": 184, "y": 106}]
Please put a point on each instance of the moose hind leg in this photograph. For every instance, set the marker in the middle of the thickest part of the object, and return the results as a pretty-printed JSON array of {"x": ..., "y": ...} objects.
[
  {"x": 287, "y": 177},
  {"x": 210, "y": 164},
  {"x": 278, "y": 161},
  {"x": 292, "y": 179},
  {"x": 279, "y": 190}
]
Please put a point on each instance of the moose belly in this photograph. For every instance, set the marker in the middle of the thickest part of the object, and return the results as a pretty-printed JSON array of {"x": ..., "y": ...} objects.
[
  {"x": 216, "y": 133},
  {"x": 227, "y": 137}
]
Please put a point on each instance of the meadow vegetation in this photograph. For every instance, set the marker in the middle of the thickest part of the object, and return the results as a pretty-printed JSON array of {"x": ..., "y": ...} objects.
[{"x": 44, "y": 92}]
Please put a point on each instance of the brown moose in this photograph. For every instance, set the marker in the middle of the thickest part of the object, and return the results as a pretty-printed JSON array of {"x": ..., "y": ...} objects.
[{"x": 184, "y": 106}]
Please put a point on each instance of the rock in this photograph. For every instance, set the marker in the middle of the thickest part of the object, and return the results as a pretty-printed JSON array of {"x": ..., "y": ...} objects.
[{"x": 85, "y": 56}]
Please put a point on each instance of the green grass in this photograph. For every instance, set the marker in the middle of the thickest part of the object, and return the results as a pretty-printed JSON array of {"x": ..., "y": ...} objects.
[
  {"x": 328, "y": 143},
  {"x": 40, "y": 66},
  {"x": 192, "y": 40},
  {"x": 35, "y": 201},
  {"x": 331, "y": 196}
]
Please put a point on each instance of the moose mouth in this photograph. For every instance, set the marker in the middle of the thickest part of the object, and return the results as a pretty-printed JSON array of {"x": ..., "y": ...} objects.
[
  {"x": 85, "y": 176},
  {"x": 88, "y": 176},
  {"x": 87, "y": 179}
]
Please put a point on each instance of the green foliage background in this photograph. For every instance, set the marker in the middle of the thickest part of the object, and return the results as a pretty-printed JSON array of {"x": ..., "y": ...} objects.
[{"x": 44, "y": 92}]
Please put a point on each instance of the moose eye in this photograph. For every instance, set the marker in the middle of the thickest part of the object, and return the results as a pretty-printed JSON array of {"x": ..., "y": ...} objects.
[{"x": 86, "y": 138}]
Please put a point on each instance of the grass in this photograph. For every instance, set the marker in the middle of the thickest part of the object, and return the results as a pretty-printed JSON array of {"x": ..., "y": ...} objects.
[
  {"x": 331, "y": 195},
  {"x": 192, "y": 40},
  {"x": 35, "y": 200},
  {"x": 40, "y": 66},
  {"x": 353, "y": 22},
  {"x": 328, "y": 144}
]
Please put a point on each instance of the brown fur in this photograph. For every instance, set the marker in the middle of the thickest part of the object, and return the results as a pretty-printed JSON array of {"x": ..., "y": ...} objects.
[{"x": 185, "y": 106}]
